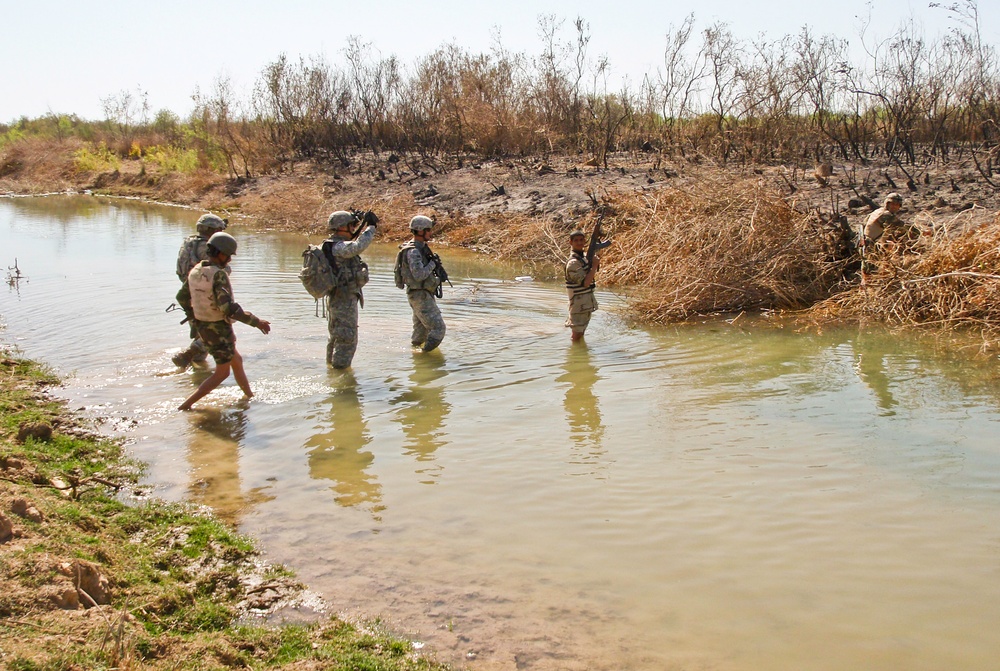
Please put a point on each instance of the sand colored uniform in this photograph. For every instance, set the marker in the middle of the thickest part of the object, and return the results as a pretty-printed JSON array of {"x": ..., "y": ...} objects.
[{"x": 582, "y": 302}]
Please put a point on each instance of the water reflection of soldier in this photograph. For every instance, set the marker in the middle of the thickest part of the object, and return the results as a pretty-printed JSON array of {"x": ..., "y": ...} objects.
[
  {"x": 870, "y": 367},
  {"x": 193, "y": 251},
  {"x": 213, "y": 455},
  {"x": 582, "y": 411},
  {"x": 338, "y": 453},
  {"x": 424, "y": 409},
  {"x": 351, "y": 275}
]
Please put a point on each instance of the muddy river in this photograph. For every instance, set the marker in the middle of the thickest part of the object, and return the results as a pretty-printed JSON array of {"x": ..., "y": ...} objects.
[{"x": 720, "y": 496}]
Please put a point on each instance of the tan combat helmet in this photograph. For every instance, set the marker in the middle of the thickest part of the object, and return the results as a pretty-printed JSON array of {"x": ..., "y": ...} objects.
[
  {"x": 892, "y": 198},
  {"x": 340, "y": 219},
  {"x": 210, "y": 223},
  {"x": 421, "y": 223},
  {"x": 576, "y": 233}
]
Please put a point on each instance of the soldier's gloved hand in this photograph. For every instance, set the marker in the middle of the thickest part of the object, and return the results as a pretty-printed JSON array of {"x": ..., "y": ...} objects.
[{"x": 371, "y": 218}]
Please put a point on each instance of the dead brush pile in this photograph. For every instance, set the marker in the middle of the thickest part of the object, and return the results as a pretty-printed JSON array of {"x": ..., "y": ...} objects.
[
  {"x": 953, "y": 281},
  {"x": 715, "y": 246}
]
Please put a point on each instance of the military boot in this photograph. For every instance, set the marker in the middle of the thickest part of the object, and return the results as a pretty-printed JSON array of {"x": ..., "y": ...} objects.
[
  {"x": 184, "y": 359},
  {"x": 431, "y": 344}
]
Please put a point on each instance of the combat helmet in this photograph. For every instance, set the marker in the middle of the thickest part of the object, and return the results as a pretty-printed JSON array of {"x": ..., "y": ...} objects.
[
  {"x": 892, "y": 198},
  {"x": 223, "y": 242},
  {"x": 576, "y": 233},
  {"x": 210, "y": 223},
  {"x": 339, "y": 219},
  {"x": 421, "y": 223}
]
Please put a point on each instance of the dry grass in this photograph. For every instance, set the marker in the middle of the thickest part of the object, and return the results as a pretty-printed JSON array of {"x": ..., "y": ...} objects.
[
  {"x": 36, "y": 165},
  {"x": 952, "y": 281}
]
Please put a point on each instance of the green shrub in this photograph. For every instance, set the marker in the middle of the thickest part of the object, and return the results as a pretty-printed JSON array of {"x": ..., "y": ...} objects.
[
  {"x": 95, "y": 159},
  {"x": 173, "y": 159}
]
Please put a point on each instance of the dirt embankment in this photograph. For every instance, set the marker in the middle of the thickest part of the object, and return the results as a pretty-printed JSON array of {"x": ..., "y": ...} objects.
[{"x": 685, "y": 228}]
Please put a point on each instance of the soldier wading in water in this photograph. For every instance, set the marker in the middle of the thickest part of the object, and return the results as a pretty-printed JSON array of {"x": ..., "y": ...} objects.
[
  {"x": 350, "y": 275},
  {"x": 580, "y": 275},
  {"x": 207, "y": 300},
  {"x": 193, "y": 251},
  {"x": 419, "y": 271}
]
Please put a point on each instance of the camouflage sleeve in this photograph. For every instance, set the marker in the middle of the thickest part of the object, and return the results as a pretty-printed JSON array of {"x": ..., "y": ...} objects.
[
  {"x": 223, "y": 292},
  {"x": 184, "y": 300},
  {"x": 345, "y": 249},
  {"x": 420, "y": 267}
]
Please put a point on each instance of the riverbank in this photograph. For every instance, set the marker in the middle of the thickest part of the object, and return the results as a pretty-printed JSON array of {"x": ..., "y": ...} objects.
[
  {"x": 97, "y": 575},
  {"x": 692, "y": 238}
]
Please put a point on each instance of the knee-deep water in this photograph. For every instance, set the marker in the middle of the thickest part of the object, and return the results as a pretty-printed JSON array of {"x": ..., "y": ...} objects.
[{"x": 717, "y": 496}]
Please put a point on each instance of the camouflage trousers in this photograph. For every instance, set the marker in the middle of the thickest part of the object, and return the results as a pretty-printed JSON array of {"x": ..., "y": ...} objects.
[
  {"x": 581, "y": 307},
  {"x": 219, "y": 338},
  {"x": 342, "y": 323},
  {"x": 428, "y": 324}
]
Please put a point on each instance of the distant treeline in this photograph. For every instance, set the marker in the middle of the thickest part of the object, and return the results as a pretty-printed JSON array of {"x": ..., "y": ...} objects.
[{"x": 803, "y": 97}]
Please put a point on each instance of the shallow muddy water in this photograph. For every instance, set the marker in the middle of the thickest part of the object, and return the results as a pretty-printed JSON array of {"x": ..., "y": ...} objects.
[{"x": 702, "y": 497}]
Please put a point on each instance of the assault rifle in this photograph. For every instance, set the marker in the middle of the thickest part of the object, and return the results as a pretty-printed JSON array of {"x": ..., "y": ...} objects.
[
  {"x": 596, "y": 244},
  {"x": 438, "y": 270},
  {"x": 364, "y": 217}
]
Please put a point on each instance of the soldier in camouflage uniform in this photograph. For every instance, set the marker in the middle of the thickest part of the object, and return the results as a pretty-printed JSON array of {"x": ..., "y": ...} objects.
[
  {"x": 580, "y": 285},
  {"x": 192, "y": 252},
  {"x": 351, "y": 274},
  {"x": 420, "y": 272},
  {"x": 207, "y": 299}
]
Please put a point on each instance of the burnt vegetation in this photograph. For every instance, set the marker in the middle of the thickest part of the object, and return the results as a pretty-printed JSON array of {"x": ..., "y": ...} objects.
[{"x": 748, "y": 125}]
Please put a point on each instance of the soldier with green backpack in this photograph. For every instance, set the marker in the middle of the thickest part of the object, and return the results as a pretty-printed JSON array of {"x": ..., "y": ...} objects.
[{"x": 334, "y": 272}]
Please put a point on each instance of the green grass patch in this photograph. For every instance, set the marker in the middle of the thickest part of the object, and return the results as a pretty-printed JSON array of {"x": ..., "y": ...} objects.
[{"x": 176, "y": 576}]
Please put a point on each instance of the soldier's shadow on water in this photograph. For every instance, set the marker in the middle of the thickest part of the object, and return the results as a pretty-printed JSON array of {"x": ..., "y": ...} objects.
[
  {"x": 213, "y": 460},
  {"x": 338, "y": 452},
  {"x": 583, "y": 412},
  {"x": 422, "y": 411}
]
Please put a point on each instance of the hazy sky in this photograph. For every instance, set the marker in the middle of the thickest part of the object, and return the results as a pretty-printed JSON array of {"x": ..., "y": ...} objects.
[{"x": 64, "y": 57}]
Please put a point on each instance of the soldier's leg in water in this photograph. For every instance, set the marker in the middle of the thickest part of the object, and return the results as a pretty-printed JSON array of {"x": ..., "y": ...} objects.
[
  {"x": 199, "y": 351},
  {"x": 430, "y": 317},
  {"x": 419, "y": 334},
  {"x": 578, "y": 324},
  {"x": 343, "y": 327},
  {"x": 217, "y": 377},
  {"x": 240, "y": 375}
]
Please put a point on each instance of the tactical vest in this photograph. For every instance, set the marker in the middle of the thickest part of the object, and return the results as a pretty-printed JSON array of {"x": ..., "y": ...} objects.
[
  {"x": 349, "y": 274},
  {"x": 200, "y": 282},
  {"x": 193, "y": 251},
  {"x": 402, "y": 271},
  {"x": 577, "y": 288}
]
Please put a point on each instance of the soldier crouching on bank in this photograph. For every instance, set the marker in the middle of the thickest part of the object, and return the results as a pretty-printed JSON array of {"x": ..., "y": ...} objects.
[
  {"x": 207, "y": 300},
  {"x": 350, "y": 275},
  {"x": 580, "y": 276},
  {"x": 883, "y": 227},
  {"x": 419, "y": 271}
]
